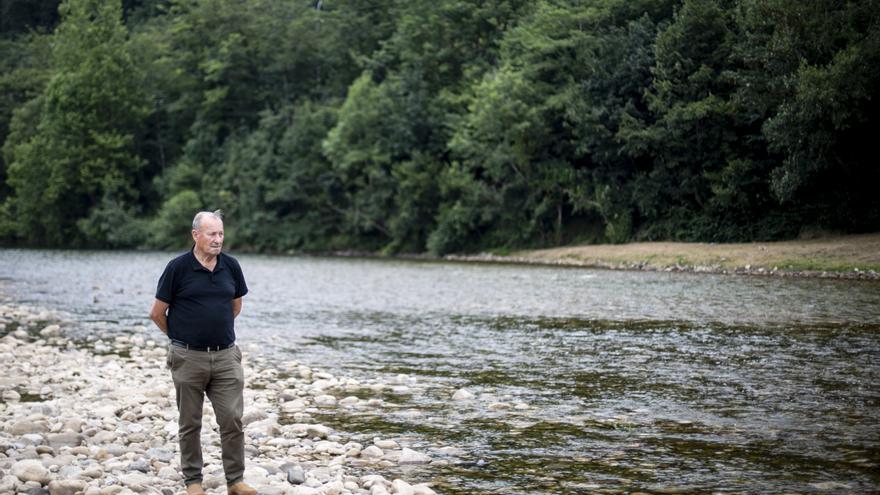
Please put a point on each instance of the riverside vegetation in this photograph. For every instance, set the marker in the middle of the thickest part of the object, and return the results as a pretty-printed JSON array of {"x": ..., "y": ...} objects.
[
  {"x": 101, "y": 420},
  {"x": 447, "y": 126}
]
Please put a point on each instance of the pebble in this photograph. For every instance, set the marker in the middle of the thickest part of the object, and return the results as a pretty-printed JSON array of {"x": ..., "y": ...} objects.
[
  {"x": 296, "y": 476},
  {"x": 107, "y": 424}
]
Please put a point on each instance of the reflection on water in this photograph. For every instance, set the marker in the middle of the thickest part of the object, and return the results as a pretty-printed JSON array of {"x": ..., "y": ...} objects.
[{"x": 585, "y": 381}]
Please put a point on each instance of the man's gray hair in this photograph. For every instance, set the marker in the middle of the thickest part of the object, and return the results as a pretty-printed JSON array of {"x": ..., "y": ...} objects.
[{"x": 197, "y": 220}]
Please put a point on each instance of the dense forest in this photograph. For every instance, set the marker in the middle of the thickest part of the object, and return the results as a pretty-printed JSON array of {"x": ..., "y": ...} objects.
[{"x": 436, "y": 125}]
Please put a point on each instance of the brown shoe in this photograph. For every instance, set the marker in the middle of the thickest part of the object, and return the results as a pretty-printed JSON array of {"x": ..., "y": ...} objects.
[
  {"x": 195, "y": 489},
  {"x": 240, "y": 488}
]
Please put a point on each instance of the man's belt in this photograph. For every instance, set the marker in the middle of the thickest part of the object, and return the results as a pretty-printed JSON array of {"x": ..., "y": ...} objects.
[{"x": 213, "y": 348}]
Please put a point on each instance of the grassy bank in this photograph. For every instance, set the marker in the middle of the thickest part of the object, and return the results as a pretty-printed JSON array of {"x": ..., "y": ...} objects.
[{"x": 851, "y": 256}]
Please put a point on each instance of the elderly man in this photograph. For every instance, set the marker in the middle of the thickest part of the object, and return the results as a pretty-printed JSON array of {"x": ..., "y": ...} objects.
[{"x": 198, "y": 298}]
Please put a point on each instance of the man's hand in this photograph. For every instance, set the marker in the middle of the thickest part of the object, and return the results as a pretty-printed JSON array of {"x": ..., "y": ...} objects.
[
  {"x": 236, "y": 307},
  {"x": 159, "y": 315}
]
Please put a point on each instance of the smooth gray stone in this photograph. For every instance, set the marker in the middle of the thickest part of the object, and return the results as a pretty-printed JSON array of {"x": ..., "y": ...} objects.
[{"x": 296, "y": 476}]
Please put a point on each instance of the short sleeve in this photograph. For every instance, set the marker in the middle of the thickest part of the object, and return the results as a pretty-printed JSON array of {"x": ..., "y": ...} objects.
[
  {"x": 241, "y": 287},
  {"x": 165, "y": 290}
]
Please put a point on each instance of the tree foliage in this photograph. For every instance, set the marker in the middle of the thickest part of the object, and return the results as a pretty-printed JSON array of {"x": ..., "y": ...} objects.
[{"x": 439, "y": 126}]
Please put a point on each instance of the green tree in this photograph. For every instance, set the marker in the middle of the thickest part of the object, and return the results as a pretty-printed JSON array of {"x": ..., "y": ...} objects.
[{"x": 77, "y": 159}]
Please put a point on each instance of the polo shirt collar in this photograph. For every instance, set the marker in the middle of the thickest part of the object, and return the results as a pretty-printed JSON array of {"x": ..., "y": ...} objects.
[{"x": 198, "y": 266}]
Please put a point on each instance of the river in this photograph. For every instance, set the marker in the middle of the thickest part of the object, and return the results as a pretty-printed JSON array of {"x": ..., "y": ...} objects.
[{"x": 585, "y": 381}]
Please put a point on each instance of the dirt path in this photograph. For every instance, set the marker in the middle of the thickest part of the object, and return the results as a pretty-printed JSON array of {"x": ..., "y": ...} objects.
[{"x": 852, "y": 256}]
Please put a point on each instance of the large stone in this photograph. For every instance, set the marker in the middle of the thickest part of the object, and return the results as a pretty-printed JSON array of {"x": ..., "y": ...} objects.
[
  {"x": 66, "y": 487},
  {"x": 31, "y": 470}
]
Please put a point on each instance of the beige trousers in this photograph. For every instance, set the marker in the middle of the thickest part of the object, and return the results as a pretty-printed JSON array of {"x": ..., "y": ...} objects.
[{"x": 217, "y": 374}]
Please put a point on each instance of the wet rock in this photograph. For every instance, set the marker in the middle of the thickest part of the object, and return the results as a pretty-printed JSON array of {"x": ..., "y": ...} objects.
[{"x": 409, "y": 456}]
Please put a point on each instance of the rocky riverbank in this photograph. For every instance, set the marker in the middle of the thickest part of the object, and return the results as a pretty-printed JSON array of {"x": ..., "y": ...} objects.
[{"x": 103, "y": 421}]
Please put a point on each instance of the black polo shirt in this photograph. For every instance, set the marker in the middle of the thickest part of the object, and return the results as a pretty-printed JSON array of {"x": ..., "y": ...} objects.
[{"x": 200, "y": 312}]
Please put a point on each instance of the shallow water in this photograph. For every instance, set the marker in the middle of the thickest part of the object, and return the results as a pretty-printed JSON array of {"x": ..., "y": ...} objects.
[{"x": 634, "y": 381}]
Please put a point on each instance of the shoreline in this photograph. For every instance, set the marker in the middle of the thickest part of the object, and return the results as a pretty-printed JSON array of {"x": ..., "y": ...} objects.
[
  {"x": 853, "y": 257},
  {"x": 103, "y": 421}
]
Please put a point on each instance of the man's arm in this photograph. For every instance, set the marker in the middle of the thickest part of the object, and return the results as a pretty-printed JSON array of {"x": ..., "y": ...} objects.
[
  {"x": 236, "y": 307},
  {"x": 159, "y": 315}
]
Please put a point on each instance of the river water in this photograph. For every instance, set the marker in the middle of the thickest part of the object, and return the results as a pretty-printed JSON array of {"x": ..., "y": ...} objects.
[{"x": 585, "y": 381}]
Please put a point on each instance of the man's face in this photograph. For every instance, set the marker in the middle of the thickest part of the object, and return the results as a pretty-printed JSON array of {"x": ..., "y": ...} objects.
[{"x": 209, "y": 236}]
